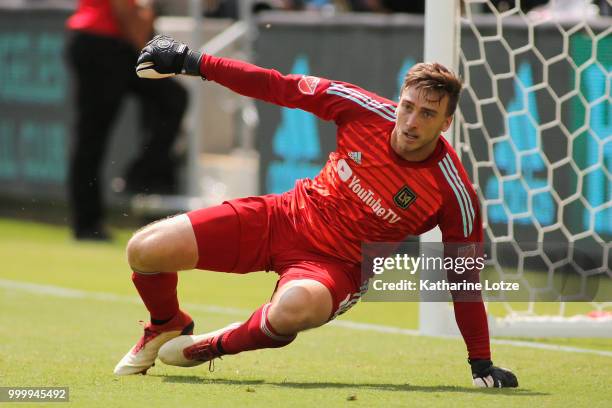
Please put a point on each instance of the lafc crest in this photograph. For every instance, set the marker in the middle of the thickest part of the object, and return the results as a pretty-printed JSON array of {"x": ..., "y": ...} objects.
[{"x": 404, "y": 197}]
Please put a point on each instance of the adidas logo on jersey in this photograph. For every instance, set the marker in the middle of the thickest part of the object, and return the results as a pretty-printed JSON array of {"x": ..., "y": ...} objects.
[{"x": 356, "y": 156}]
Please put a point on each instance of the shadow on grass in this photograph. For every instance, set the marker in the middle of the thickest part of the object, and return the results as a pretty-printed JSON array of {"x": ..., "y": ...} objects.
[{"x": 193, "y": 379}]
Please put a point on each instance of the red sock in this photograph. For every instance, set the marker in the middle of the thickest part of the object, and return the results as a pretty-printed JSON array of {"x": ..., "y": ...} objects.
[
  {"x": 255, "y": 333},
  {"x": 158, "y": 292},
  {"x": 471, "y": 318}
]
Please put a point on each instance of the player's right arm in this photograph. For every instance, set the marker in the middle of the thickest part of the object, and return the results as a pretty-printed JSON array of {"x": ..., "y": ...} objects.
[{"x": 337, "y": 101}]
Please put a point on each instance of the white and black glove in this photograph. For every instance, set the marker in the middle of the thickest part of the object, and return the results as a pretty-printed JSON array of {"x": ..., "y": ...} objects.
[
  {"x": 163, "y": 57},
  {"x": 486, "y": 375}
]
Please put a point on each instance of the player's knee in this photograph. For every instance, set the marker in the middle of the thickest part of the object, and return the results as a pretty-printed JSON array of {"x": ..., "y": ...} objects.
[
  {"x": 295, "y": 311},
  {"x": 144, "y": 249},
  {"x": 287, "y": 321},
  {"x": 168, "y": 245},
  {"x": 136, "y": 251}
]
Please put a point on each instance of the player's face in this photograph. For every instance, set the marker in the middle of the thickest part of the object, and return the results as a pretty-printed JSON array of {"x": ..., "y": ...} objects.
[{"x": 420, "y": 120}]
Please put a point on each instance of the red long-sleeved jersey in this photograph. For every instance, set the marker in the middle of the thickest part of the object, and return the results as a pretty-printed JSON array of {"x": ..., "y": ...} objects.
[{"x": 366, "y": 192}]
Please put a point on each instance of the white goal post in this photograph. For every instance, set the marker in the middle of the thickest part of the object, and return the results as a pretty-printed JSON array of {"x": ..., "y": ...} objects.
[{"x": 534, "y": 131}]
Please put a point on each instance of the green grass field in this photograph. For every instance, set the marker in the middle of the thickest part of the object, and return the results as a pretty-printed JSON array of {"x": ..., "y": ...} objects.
[{"x": 59, "y": 337}]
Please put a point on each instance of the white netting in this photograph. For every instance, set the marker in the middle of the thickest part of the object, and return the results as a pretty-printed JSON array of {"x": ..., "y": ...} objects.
[{"x": 534, "y": 129}]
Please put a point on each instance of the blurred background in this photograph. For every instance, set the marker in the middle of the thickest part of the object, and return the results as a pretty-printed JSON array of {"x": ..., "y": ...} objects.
[{"x": 227, "y": 146}]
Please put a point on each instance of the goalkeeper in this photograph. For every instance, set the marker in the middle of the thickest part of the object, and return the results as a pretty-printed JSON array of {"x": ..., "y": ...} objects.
[{"x": 392, "y": 175}]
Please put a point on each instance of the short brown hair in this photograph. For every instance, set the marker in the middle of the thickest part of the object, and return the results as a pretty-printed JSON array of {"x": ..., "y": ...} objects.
[{"x": 437, "y": 80}]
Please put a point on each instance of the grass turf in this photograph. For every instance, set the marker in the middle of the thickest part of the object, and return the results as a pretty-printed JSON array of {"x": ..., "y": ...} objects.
[{"x": 62, "y": 341}]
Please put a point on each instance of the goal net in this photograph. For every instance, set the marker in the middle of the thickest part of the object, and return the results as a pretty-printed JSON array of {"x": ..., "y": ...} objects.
[{"x": 534, "y": 130}]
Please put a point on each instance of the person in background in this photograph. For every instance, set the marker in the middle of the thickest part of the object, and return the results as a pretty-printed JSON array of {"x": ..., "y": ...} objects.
[
  {"x": 105, "y": 37},
  {"x": 388, "y": 6}
]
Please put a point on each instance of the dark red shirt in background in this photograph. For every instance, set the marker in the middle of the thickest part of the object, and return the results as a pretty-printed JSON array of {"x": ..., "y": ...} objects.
[{"x": 95, "y": 17}]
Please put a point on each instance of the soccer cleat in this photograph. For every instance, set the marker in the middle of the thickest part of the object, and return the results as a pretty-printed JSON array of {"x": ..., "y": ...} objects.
[
  {"x": 190, "y": 351},
  {"x": 142, "y": 356}
]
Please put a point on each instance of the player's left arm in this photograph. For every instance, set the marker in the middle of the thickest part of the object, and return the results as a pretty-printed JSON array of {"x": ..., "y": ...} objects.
[
  {"x": 329, "y": 100},
  {"x": 462, "y": 233}
]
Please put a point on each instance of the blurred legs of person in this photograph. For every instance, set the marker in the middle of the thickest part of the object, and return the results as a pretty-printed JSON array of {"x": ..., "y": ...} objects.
[
  {"x": 103, "y": 68},
  {"x": 154, "y": 170}
]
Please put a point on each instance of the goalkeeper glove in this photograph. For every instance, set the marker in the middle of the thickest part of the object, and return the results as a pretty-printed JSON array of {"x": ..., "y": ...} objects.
[
  {"x": 163, "y": 57},
  {"x": 485, "y": 374}
]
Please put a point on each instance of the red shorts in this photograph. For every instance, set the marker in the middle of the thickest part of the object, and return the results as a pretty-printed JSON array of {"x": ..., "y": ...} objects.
[{"x": 256, "y": 233}]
